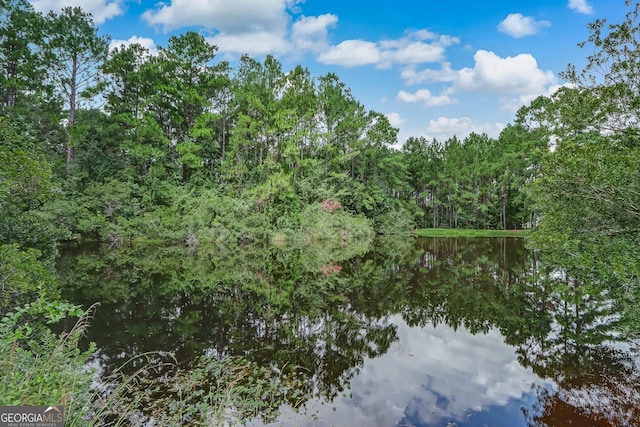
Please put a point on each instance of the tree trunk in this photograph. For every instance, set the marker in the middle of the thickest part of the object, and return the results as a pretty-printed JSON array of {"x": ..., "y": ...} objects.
[
  {"x": 73, "y": 88},
  {"x": 504, "y": 211}
]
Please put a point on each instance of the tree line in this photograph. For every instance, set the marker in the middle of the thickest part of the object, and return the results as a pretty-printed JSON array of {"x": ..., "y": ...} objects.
[
  {"x": 177, "y": 144},
  {"x": 127, "y": 132},
  {"x": 180, "y": 146}
]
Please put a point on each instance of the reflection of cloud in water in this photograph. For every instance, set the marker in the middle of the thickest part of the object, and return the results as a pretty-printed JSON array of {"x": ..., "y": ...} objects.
[{"x": 431, "y": 375}]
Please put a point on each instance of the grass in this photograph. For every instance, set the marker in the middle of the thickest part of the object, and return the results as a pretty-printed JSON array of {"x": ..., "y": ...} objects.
[
  {"x": 461, "y": 232},
  {"x": 38, "y": 367}
]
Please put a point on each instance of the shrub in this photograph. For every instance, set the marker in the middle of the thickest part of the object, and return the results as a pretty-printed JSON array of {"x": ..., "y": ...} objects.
[
  {"x": 40, "y": 368},
  {"x": 330, "y": 206}
]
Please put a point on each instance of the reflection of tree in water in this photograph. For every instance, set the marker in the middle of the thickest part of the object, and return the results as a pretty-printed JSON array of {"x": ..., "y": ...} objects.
[
  {"x": 280, "y": 308},
  {"x": 612, "y": 402},
  {"x": 471, "y": 283},
  {"x": 318, "y": 314},
  {"x": 597, "y": 380},
  {"x": 562, "y": 326}
]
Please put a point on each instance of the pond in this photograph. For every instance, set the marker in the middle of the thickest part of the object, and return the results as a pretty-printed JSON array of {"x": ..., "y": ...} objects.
[{"x": 402, "y": 332}]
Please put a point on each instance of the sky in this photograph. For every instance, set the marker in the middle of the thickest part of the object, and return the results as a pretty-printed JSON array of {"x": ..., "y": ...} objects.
[{"x": 434, "y": 68}]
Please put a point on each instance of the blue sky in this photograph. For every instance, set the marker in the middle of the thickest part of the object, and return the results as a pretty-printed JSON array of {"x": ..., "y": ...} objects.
[{"x": 435, "y": 68}]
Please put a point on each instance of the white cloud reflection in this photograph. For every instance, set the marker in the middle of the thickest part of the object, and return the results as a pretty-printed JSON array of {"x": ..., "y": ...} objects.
[{"x": 432, "y": 375}]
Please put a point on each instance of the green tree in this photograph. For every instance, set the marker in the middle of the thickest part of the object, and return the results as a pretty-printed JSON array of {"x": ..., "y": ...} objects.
[
  {"x": 604, "y": 96},
  {"x": 75, "y": 52},
  {"x": 612, "y": 74},
  {"x": 25, "y": 185},
  {"x": 519, "y": 163},
  {"x": 124, "y": 94},
  {"x": 588, "y": 192},
  {"x": 300, "y": 101},
  {"x": 22, "y": 67},
  {"x": 98, "y": 138},
  {"x": 187, "y": 81},
  {"x": 261, "y": 124},
  {"x": 343, "y": 121}
]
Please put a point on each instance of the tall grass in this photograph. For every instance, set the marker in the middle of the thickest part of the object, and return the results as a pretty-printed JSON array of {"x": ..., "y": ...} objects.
[
  {"x": 39, "y": 368},
  {"x": 213, "y": 392},
  {"x": 150, "y": 389}
]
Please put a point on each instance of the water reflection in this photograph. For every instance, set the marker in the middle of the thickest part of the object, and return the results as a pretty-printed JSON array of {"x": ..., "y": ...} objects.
[
  {"x": 432, "y": 376},
  {"x": 423, "y": 332}
]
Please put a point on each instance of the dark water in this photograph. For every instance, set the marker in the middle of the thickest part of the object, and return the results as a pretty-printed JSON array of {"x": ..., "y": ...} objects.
[{"x": 406, "y": 332}]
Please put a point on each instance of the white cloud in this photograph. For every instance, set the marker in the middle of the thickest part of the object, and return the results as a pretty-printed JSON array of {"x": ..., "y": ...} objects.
[
  {"x": 445, "y": 127},
  {"x": 265, "y": 26},
  {"x": 100, "y": 9},
  {"x": 435, "y": 375},
  {"x": 242, "y": 26},
  {"x": 412, "y": 53},
  {"x": 518, "y": 75},
  {"x": 518, "y": 80},
  {"x": 446, "y": 41},
  {"x": 255, "y": 43},
  {"x": 233, "y": 17},
  {"x": 580, "y": 6},
  {"x": 351, "y": 53},
  {"x": 309, "y": 33},
  {"x": 426, "y": 97},
  {"x": 395, "y": 120},
  {"x": 142, "y": 41},
  {"x": 412, "y": 48},
  {"x": 513, "y": 104},
  {"x": 516, "y": 25},
  {"x": 415, "y": 47},
  {"x": 444, "y": 74}
]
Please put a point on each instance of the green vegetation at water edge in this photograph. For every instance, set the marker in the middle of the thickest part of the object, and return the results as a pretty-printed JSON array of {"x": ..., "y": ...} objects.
[
  {"x": 466, "y": 232},
  {"x": 187, "y": 149}
]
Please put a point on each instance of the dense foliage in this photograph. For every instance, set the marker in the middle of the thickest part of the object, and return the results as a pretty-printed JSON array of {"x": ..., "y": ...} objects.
[
  {"x": 126, "y": 144},
  {"x": 588, "y": 189},
  {"x": 178, "y": 144},
  {"x": 135, "y": 139}
]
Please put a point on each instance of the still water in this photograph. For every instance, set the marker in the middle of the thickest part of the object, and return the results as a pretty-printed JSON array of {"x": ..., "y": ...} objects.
[{"x": 404, "y": 332}]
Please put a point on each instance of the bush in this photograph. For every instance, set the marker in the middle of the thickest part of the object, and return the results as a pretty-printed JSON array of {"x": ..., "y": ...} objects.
[
  {"x": 40, "y": 368},
  {"x": 320, "y": 224}
]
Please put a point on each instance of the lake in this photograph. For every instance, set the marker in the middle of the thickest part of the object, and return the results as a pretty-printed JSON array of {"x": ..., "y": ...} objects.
[{"x": 401, "y": 332}]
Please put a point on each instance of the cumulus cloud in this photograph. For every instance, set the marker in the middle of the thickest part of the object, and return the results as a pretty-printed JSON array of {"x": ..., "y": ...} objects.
[
  {"x": 511, "y": 75},
  {"x": 415, "y": 47},
  {"x": 517, "y": 25},
  {"x": 395, "y": 120},
  {"x": 443, "y": 75},
  {"x": 142, "y": 41},
  {"x": 513, "y": 104},
  {"x": 254, "y": 43},
  {"x": 491, "y": 73},
  {"x": 411, "y": 53},
  {"x": 425, "y": 97},
  {"x": 580, "y": 6},
  {"x": 309, "y": 33},
  {"x": 242, "y": 26},
  {"x": 351, "y": 53},
  {"x": 228, "y": 17},
  {"x": 518, "y": 79},
  {"x": 265, "y": 26},
  {"x": 445, "y": 127},
  {"x": 101, "y": 10}
]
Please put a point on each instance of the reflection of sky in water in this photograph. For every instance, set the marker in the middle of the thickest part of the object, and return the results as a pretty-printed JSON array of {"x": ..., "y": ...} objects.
[{"x": 433, "y": 376}]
